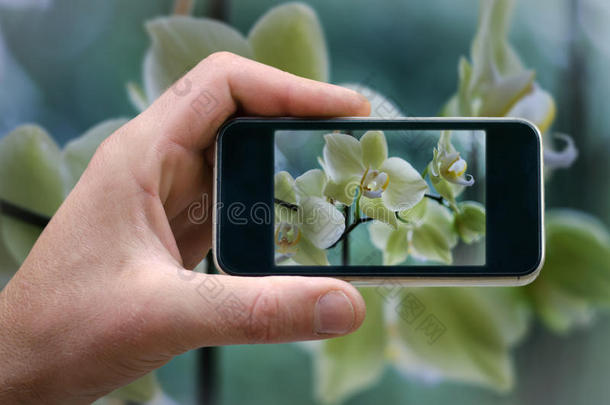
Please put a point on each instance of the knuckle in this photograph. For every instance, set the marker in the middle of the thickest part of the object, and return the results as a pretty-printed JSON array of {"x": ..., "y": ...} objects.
[
  {"x": 107, "y": 144},
  {"x": 265, "y": 322},
  {"x": 115, "y": 142},
  {"x": 104, "y": 153}
]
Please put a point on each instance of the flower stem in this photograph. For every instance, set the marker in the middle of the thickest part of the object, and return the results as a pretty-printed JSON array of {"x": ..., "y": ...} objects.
[
  {"x": 439, "y": 199},
  {"x": 349, "y": 229},
  {"x": 424, "y": 173},
  {"x": 288, "y": 205},
  {"x": 398, "y": 217},
  {"x": 357, "y": 213},
  {"x": 345, "y": 245}
]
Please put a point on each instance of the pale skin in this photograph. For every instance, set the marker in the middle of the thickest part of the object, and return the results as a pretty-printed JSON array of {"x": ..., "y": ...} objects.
[{"x": 106, "y": 295}]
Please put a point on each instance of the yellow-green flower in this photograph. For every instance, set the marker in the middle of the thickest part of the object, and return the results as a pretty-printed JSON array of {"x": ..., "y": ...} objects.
[
  {"x": 447, "y": 170},
  {"x": 305, "y": 223},
  {"x": 362, "y": 167}
]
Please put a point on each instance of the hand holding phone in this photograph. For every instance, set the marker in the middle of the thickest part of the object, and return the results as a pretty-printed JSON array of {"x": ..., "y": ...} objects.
[{"x": 423, "y": 201}]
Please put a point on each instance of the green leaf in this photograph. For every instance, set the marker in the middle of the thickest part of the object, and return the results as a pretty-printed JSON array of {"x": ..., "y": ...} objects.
[
  {"x": 290, "y": 37},
  {"x": 454, "y": 333},
  {"x": 78, "y": 152},
  {"x": 350, "y": 364},
  {"x": 179, "y": 43},
  {"x": 141, "y": 391},
  {"x": 374, "y": 149},
  {"x": 575, "y": 279},
  {"x": 30, "y": 177}
]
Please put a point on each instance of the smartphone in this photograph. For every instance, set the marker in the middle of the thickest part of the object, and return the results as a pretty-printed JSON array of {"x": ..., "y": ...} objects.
[{"x": 415, "y": 201}]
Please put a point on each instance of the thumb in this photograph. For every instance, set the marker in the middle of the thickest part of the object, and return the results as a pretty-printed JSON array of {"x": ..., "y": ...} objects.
[{"x": 210, "y": 310}]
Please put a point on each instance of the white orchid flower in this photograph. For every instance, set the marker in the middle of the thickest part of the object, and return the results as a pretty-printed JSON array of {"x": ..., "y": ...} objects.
[
  {"x": 305, "y": 223},
  {"x": 362, "y": 168},
  {"x": 447, "y": 170},
  {"x": 495, "y": 83},
  {"x": 448, "y": 163}
]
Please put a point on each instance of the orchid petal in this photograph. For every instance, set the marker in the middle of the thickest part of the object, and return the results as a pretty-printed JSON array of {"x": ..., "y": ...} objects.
[
  {"x": 342, "y": 156},
  {"x": 397, "y": 248},
  {"x": 290, "y": 37},
  {"x": 501, "y": 96},
  {"x": 323, "y": 224},
  {"x": 374, "y": 149},
  {"x": 375, "y": 208},
  {"x": 416, "y": 214},
  {"x": 311, "y": 183},
  {"x": 379, "y": 233},
  {"x": 308, "y": 254},
  {"x": 470, "y": 221},
  {"x": 536, "y": 106},
  {"x": 344, "y": 191},
  {"x": 284, "y": 187},
  {"x": 179, "y": 43},
  {"x": 406, "y": 187},
  {"x": 560, "y": 159},
  {"x": 435, "y": 238}
]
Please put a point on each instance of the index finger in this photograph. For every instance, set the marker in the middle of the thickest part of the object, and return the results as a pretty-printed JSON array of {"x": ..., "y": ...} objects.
[{"x": 191, "y": 111}]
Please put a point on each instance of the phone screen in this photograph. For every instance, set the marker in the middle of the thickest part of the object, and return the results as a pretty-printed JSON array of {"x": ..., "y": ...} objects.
[{"x": 392, "y": 198}]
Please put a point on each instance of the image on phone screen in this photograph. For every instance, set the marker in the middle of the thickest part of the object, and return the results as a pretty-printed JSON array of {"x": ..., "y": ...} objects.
[{"x": 371, "y": 198}]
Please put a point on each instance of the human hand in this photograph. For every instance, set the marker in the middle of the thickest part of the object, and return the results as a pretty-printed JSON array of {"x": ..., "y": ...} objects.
[{"x": 105, "y": 296}]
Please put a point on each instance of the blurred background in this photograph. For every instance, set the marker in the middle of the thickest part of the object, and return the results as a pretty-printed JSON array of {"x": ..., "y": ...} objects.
[{"x": 64, "y": 64}]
